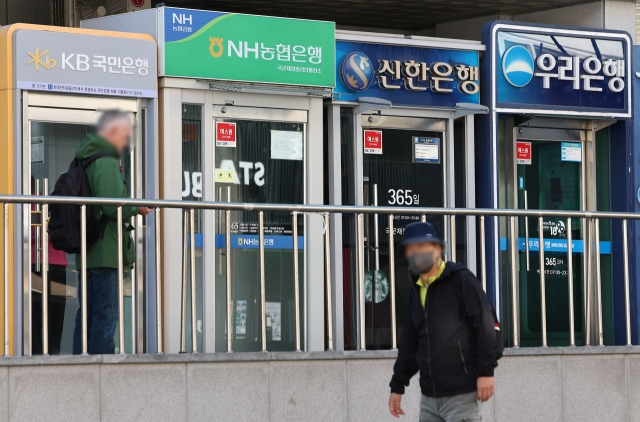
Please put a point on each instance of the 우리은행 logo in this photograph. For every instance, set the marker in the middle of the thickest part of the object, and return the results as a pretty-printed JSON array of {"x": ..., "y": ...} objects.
[
  {"x": 517, "y": 66},
  {"x": 41, "y": 59},
  {"x": 356, "y": 71}
]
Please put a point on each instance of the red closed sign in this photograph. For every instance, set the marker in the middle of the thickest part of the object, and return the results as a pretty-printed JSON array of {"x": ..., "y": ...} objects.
[
  {"x": 225, "y": 134},
  {"x": 372, "y": 142},
  {"x": 523, "y": 152}
]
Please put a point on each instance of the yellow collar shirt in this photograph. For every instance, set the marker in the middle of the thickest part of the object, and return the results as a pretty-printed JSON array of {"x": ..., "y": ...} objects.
[{"x": 423, "y": 288}]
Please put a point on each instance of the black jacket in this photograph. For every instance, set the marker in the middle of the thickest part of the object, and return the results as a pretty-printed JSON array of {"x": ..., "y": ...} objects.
[{"x": 452, "y": 340}]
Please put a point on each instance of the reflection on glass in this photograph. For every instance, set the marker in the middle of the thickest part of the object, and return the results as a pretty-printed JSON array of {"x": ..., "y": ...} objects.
[{"x": 264, "y": 164}]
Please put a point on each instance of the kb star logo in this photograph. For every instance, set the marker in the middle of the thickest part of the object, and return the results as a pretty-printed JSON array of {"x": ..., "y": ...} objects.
[{"x": 40, "y": 60}]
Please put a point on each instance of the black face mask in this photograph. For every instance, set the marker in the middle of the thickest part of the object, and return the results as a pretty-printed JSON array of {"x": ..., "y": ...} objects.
[{"x": 422, "y": 262}]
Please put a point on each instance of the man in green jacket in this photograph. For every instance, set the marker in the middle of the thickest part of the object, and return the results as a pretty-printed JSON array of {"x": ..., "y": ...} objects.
[{"x": 106, "y": 181}]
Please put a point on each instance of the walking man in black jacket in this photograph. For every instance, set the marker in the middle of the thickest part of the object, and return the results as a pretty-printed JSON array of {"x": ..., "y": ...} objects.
[{"x": 449, "y": 335}]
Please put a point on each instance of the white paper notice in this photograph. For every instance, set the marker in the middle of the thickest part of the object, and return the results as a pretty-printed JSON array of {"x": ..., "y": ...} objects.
[
  {"x": 37, "y": 150},
  {"x": 427, "y": 153},
  {"x": 286, "y": 145}
]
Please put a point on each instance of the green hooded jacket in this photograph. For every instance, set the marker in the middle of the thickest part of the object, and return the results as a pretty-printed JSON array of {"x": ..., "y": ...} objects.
[{"x": 106, "y": 181}]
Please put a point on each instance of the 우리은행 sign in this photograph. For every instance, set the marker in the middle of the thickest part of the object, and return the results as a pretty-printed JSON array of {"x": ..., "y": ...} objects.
[{"x": 246, "y": 48}]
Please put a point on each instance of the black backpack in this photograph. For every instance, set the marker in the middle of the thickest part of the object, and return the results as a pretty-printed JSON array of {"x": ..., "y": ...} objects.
[{"x": 64, "y": 226}]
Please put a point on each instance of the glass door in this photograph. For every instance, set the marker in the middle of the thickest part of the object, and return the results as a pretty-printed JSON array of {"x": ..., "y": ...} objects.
[
  {"x": 550, "y": 176},
  {"x": 259, "y": 158},
  {"x": 51, "y": 138},
  {"x": 402, "y": 167}
]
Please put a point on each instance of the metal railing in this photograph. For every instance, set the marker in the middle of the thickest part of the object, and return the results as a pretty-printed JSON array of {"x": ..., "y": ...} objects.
[{"x": 591, "y": 240}]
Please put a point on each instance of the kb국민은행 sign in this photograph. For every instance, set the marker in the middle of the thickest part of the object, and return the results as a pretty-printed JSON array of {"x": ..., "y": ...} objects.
[
  {"x": 247, "y": 48},
  {"x": 79, "y": 63}
]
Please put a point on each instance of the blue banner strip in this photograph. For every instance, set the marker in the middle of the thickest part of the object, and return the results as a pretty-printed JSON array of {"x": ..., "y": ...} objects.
[
  {"x": 252, "y": 241},
  {"x": 554, "y": 245}
]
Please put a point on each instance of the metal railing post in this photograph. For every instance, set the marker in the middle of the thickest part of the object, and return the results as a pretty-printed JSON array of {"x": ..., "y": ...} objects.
[
  {"x": 360, "y": 246},
  {"x": 589, "y": 252},
  {"x": 327, "y": 253},
  {"x": 7, "y": 350},
  {"x": 625, "y": 263},
  {"x": 513, "y": 252},
  {"x": 452, "y": 229},
  {"x": 263, "y": 305},
  {"x": 159, "y": 344},
  {"x": 83, "y": 272},
  {"x": 296, "y": 277},
  {"x": 185, "y": 281},
  {"x": 45, "y": 270},
  {"x": 598, "y": 281},
  {"x": 572, "y": 334},
  {"x": 392, "y": 282},
  {"x": 483, "y": 255},
  {"x": 120, "y": 283},
  {"x": 194, "y": 316},
  {"x": 230, "y": 329},
  {"x": 543, "y": 290}
]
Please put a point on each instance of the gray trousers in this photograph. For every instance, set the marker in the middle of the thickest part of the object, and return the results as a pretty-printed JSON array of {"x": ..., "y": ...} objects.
[{"x": 460, "y": 408}]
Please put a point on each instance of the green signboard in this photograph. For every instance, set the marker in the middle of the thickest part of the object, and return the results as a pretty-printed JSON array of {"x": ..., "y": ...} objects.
[{"x": 247, "y": 48}]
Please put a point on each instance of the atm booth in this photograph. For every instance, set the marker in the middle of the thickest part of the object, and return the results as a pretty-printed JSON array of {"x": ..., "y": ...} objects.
[
  {"x": 400, "y": 132},
  {"x": 241, "y": 121},
  {"x": 53, "y": 86},
  {"x": 557, "y": 138}
]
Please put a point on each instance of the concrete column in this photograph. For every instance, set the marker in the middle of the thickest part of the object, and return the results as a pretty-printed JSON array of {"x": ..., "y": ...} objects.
[
  {"x": 170, "y": 153},
  {"x": 314, "y": 229}
]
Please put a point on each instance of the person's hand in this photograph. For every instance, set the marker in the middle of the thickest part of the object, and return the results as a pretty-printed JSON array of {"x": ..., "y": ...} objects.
[
  {"x": 485, "y": 388},
  {"x": 394, "y": 405},
  {"x": 144, "y": 211}
]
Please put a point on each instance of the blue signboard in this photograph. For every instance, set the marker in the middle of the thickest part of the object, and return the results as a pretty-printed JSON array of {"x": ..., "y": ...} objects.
[
  {"x": 252, "y": 241},
  {"x": 567, "y": 71},
  {"x": 554, "y": 245},
  {"x": 412, "y": 76}
]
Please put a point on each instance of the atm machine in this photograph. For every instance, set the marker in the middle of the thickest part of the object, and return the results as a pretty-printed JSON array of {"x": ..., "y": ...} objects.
[
  {"x": 55, "y": 84},
  {"x": 557, "y": 138},
  {"x": 400, "y": 133}
]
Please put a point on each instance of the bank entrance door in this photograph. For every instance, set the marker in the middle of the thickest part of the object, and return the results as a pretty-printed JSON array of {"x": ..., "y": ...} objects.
[
  {"x": 554, "y": 169},
  {"x": 53, "y": 128},
  {"x": 406, "y": 162},
  {"x": 260, "y": 157}
]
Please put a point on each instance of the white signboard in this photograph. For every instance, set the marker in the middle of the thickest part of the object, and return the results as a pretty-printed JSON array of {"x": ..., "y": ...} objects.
[
  {"x": 78, "y": 63},
  {"x": 286, "y": 145}
]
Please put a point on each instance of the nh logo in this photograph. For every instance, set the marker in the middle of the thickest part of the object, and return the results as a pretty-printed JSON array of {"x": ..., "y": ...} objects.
[{"x": 182, "y": 19}]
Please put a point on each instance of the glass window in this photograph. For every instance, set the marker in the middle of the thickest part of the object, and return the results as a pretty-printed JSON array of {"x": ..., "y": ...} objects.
[{"x": 260, "y": 162}]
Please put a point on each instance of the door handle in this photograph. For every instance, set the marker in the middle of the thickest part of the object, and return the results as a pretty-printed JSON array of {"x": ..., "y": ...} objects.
[
  {"x": 37, "y": 246},
  {"x": 526, "y": 230},
  {"x": 376, "y": 239}
]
